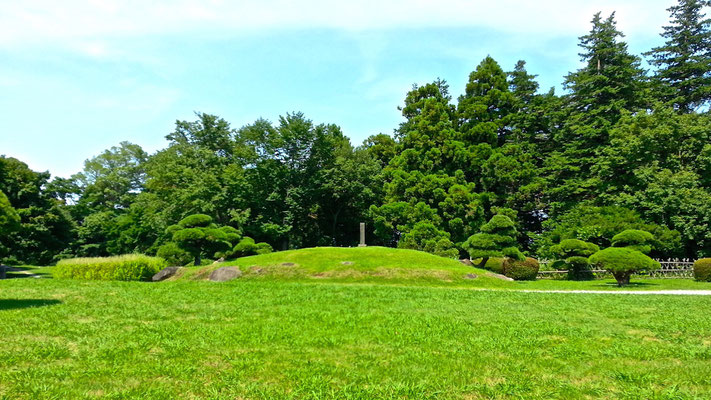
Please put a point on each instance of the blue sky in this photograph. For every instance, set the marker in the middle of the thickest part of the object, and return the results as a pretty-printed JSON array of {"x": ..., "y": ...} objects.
[{"x": 77, "y": 77}]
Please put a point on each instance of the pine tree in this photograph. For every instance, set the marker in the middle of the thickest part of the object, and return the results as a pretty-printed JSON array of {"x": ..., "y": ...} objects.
[
  {"x": 684, "y": 61},
  {"x": 484, "y": 110},
  {"x": 610, "y": 82}
]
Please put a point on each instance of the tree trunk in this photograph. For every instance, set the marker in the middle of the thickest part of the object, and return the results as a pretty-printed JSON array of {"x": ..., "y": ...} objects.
[
  {"x": 623, "y": 277},
  {"x": 482, "y": 264},
  {"x": 198, "y": 260},
  {"x": 334, "y": 225},
  {"x": 2, "y": 271}
]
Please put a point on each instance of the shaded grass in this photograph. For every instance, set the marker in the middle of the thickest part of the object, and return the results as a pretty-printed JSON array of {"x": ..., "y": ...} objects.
[{"x": 276, "y": 339}]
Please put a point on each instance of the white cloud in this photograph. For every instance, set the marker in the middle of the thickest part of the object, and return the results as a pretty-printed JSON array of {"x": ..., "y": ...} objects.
[{"x": 73, "y": 23}]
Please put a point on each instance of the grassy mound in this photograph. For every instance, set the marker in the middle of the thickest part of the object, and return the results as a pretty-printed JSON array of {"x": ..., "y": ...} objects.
[{"x": 351, "y": 264}]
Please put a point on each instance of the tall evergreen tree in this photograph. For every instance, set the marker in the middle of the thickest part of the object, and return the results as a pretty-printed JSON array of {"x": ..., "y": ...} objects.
[
  {"x": 610, "y": 84},
  {"x": 484, "y": 110},
  {"x": 684, "y": 61}
]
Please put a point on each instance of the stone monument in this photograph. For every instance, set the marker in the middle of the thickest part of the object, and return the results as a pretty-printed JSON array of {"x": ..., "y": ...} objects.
[{"x": 362, "y": 235}]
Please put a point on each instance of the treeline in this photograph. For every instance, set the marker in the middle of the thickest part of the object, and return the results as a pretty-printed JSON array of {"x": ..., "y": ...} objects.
[{"x": 622, "y": 148}]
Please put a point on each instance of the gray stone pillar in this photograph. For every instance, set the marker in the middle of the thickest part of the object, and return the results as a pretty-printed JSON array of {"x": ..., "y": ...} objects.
[{"x": 362, "y": 235}]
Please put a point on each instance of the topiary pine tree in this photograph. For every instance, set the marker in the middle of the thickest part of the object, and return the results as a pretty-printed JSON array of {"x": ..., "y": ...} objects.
[
  {"x": 634, "y": 239},
  {"x": 496, "y": 239},
  {"x": 575, "y": 253},
  {"x": 198, "y": 235},
  {"x": 622, "y": 262},
  {"x": 684, "y": 61}
]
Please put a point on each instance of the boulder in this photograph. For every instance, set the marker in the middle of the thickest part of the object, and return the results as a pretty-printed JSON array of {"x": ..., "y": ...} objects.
[
  {"x": 165, "y": 273},
  {"x": 466, "y": 261},
  {"x": 287, "y": 264},
  {"x": 347, "y": 263},
  {"x": 499, "y": 276},
  {"x": 225, "y": 274},
  {"x": 470, "y": 276}
]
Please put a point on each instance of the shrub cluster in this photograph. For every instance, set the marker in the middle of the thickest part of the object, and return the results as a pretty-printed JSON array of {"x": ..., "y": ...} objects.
[
  {"x": 521, "y": 270},
  {"x": 702, "y": 270},
  {"x": 129, "y": 267},
  {"x": 248, "y": 247},
  {"x": 174, "y": 255}
]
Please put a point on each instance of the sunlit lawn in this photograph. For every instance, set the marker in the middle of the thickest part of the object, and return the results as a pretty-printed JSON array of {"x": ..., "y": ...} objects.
[{"x": 265, "y": 338}]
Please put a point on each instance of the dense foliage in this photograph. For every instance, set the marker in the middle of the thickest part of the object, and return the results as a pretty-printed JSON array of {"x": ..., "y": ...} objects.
[
  {"x": 702, "y": 270},
  {"x": 621, "y": 149},
  {"x": 130, "y": 267}
]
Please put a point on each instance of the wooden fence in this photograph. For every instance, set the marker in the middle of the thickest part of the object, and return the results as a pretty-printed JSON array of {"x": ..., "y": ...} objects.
[{"x": 671, "y": 268}]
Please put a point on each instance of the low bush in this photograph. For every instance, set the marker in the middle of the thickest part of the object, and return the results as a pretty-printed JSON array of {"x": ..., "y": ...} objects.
[
  {"x": 248, "y": 247},
  {"x": 174, "y": 255},
  {"x": 130, "y": 267},
  {"x": 521, "y": 270},
  {"x": 702, "y": 270}
]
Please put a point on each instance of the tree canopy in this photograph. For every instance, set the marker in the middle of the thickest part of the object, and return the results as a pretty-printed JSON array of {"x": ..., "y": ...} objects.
[{"x": 620, "y": 149}]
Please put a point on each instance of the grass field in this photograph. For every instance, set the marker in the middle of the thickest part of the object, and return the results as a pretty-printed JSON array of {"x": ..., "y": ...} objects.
[{"x": 269, "y": 336}]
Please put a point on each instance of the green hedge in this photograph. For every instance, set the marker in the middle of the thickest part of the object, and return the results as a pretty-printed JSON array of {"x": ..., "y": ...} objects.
[
  {"x": 702, "y": 270},
  {"x": 521, "y": 270},
  {"x": 130, "y": 267}
]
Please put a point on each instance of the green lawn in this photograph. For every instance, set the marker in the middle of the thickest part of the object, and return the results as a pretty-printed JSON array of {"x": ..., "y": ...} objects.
[
  {"x": 312, "y": 340},
  {"x": 359, "y": 323}
]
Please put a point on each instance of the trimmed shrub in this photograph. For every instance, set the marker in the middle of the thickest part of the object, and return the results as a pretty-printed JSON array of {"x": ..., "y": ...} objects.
[
  {"x": 702, "y": 270},
  {"x": 575, "y": 253},
  {"x": 174, "y": 255},
  {"x": 622, "y": 262},
  {"x": 129, "y": 267},
  {"x": 264, "y": 248},
  {"x": 496, "y": 239},
  {"x": 521, "y": 270},
  {"x": 634, "y": 239},
  {"x": 248, "y": 247}
]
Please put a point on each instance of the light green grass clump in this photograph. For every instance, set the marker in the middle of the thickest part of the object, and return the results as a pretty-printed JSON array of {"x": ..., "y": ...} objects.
[{"x": 129, "y": 267}]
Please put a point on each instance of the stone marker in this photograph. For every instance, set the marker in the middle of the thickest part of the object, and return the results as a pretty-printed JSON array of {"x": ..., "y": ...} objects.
[
  {"x": 165, "y": 273},
  {"x": 362, "y": 235},
  {"x": 347, "y": 263},
  {"x": 3, "y": 268},
  {"x": 225, "y": 274}
]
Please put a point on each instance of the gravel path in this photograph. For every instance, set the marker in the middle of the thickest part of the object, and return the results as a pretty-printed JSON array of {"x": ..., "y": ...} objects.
[{"x": 667, "y": 292}]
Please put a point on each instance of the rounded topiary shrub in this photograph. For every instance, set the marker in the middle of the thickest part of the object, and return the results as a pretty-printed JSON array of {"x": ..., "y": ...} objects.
[
  {"x": 702, "y": 270},
  {"x": 521, "y": 270}
]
